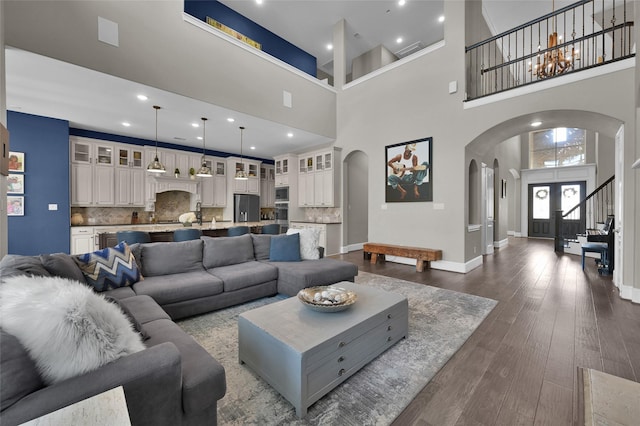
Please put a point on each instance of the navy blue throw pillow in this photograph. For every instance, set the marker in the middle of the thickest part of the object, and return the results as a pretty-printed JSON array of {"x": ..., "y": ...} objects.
[{"x": 285, "y": 248}]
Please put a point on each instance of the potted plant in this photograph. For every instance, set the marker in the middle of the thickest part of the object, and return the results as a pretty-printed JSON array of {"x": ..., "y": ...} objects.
[
  {"x": 192, "y": 173},
  {"x": 176, "y": 172}
]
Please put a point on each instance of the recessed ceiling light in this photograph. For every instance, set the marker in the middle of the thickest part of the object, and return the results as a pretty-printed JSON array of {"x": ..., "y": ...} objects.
[
  {"x": 329, "y": 46},
  {"x": 126, "y": 124},
  {"x": 441, "y": 18},
  {"x": 401, "y": 2},
  {"x": 142, "y": 97},
  {"x": 252, "y": 147},
  {"x": 399, "y": 40},
  {"x": 199, "y": 138},
  {"x": 536, "y": 123},
  {"x": 195, "y": 125},
  {"x": 258, "y": 1},
  {"x": 231, "y": 120},
  {"x": 290, "y": 134}
]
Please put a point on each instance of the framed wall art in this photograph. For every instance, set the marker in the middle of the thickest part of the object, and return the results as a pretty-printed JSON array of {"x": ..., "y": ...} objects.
[
  {"x": 16, "y": 161},
  {"x": 409, "y": 167},
  {"x": 15, "y": 206},
  {"x": 15, "y": 183}
]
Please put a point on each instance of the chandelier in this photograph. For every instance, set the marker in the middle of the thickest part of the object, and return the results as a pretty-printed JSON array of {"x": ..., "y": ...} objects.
[
  {"x": 156, "y": 166},
  {"x": 554, "y": 61},
  {"x": 204, "y": 170},
  {"x": 240, "y": 173}
]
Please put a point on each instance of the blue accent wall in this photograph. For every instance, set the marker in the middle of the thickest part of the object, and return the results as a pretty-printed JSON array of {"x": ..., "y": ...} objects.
[
  {"x": 45, "y": 143},
  {"x": 271, "y": 43}
]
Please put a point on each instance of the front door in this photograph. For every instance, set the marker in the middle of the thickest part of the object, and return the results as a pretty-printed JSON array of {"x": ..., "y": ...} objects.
[{"x": 547, "y": 198}]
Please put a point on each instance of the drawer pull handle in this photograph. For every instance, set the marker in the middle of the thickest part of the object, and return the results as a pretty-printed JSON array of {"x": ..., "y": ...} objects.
[
  {"x": 389, "y": 316},
  {"x": 389, "y": 328},
  {"x": 341, "y": 372},
  {"x": 389, "y": 339},
  {"x": 341, "y": 344},
  {"x": 341, "y": 359}
]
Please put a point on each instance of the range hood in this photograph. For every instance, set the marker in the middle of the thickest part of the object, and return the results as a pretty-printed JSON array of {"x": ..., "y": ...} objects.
[{"x": 166, "y": 183}]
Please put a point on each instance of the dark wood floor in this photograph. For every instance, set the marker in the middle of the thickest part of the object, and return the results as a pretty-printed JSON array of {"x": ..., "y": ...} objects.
[{"x": 520, "y": 366}]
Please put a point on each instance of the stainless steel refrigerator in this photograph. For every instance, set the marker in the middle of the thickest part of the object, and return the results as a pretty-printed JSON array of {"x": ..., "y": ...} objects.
[{"x": 246, "y": 208}]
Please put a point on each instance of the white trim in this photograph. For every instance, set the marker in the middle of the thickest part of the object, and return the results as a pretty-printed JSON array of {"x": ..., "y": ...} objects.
[
  {"x": 473, "y": 228},
  {"x": 512, "y": 233},
  {"x": 208, "y": 28},
  {"x": 443, "y": 265},
  {"x": 554, "y": 82},
  {"x": 518, "y": 235},
  {"x": 629, "y": 293},
  {"x": 400, "y": 62},
  {"x": 351, "y": 247},
  {"x": 501, "y": 243}
]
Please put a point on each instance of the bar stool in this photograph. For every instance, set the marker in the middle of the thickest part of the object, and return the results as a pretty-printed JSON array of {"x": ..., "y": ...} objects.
[
  {"x": 601, "y": 248},
  {"x": 272, "y": 228},
  {"x": 132, "y": 237},
  {"x": 234, "y": 231},
  {"x": 186, "y": 234}
]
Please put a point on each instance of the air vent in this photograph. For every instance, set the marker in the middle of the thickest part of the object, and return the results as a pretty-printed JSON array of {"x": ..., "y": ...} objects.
[{"x": 412, "y": 48}]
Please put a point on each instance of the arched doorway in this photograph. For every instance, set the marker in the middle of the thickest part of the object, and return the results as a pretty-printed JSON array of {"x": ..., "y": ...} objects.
[{"x": 355, "y": 195}]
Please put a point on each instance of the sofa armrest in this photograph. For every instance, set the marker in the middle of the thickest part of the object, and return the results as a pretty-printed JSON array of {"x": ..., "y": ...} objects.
[{"x": 152, "y": 381}]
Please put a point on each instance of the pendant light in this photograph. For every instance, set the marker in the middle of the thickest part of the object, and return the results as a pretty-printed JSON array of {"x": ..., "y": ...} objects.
[
  {"x": 241, "y": 174},
  {"x": 204, "y": 171},
  {"x": 156, "y": 166}
]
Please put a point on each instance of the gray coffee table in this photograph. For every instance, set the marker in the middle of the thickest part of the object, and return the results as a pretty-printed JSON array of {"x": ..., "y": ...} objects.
[{"x": 304, "y": 354}]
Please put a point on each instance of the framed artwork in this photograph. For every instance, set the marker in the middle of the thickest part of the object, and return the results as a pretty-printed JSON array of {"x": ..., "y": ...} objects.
[
  {"x": 15, "y": 206},
  {"x": 16, "y": 161},
  {"x": 15, "y": 183},
  {"x": 409, "y": 171}
]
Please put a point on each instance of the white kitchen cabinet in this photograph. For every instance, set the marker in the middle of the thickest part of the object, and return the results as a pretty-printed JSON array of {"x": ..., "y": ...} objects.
[
  {"x": 219, "y": 182},
  {"x": 283, "y": 170},
  {"x": 250, "y": 185},
  {"x": 130, "y": 156},
  {"x": 83, "y": 240},
  {"x": 318, "y": 179},
  {"x": 92, "y": 173},
  {"x": 130, "y": 187},
  {"x": 267, "y": 186}
]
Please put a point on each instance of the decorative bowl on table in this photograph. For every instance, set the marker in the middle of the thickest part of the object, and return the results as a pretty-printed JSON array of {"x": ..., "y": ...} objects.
[{"x": 327, "y": 299}]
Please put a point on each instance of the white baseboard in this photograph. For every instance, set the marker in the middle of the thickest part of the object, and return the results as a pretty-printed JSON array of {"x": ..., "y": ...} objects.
[
  {"x": 512, "y": 233},
  {"x": 351, "y": 247},
  {"x": 501, "y": 243},
  {"x": 518, "y": 235},
  {"x": 443, "y": 265},
  {"x": 629, "y": 293}
]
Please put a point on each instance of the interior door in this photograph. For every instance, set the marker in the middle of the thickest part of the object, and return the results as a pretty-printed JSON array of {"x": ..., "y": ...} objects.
[
  {"x": 545, "y": 199},
  {"x": 488, "y": 219}
]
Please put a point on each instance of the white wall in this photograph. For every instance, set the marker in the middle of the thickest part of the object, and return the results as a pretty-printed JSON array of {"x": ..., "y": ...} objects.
[{"x": 355, "y": 199}]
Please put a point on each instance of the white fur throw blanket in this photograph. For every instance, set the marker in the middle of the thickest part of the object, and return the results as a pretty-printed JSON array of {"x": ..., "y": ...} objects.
[{"x": 67, "y": 329}]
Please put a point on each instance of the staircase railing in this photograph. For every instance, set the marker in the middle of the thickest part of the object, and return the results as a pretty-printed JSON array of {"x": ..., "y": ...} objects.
[
  {"x": 596, "y": 206},
  {"x": 583, "y": 35}
]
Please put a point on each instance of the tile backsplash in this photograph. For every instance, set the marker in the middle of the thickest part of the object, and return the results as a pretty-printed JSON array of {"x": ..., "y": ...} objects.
[
  {"x": 168, "y": 207},
  {"x": 323, "y": 214}
]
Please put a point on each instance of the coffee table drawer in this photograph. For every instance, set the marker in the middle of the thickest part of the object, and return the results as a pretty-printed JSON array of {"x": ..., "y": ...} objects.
[{"x": 345, "y": 362}]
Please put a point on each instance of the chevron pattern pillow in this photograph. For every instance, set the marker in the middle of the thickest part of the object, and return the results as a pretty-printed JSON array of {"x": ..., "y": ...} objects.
[{"x": 109, "y": 268}]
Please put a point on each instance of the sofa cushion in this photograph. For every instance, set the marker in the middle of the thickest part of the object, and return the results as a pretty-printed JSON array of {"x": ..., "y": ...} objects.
[
  {"x": 309, "y": 242},
  {"x": 173, "y": 288},
  {"x": 247, "y": 274},
  {"x": 16, "y": 264},
  {"x": 18, "y": 374},
  {"x": 62, "y": 265},
  {"x": 285, "y": 248},
  {"x": 171, "y": 258},
  {"x": 144, "y": 309},
  {"x": 109, "y": 268},
  {"x": 294, "y": 276},
  {"x": 222, "y": 251},
  {"x": 67, "y": 328},
  {"x": 132, "y": 319},
  {"x": 120, "y": 293},
  {"x": 261, "y": 246},
  {"x": 203, "y": 378}
]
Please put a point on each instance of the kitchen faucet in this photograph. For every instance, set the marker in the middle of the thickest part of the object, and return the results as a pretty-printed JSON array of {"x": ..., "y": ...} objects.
[{"x": 199, "y": 212}]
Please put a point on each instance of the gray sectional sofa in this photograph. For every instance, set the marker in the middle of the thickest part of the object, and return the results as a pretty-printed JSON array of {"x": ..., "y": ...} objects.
[{"x": 174, "y": 381}]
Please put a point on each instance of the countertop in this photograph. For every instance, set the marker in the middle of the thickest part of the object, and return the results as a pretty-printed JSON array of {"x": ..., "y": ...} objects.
[{"x": 167, "y": 227}]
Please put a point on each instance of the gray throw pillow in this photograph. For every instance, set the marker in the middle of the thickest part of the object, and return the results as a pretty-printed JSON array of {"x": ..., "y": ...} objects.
[
  {"x": 261, "y": 245},
  {"x": 16, "y": 264},
  {"x": 62, "y": 265}
]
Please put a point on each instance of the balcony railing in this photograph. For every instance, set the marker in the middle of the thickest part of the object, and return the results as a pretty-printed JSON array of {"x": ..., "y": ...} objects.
[{"x": 584, "y": 35}]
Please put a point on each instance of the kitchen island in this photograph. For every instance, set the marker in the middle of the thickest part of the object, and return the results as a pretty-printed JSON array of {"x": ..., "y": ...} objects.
[{"x": 89, "y": 238}]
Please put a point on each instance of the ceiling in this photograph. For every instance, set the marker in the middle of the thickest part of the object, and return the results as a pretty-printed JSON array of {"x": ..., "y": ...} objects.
[{"x": 96, "y": 101}]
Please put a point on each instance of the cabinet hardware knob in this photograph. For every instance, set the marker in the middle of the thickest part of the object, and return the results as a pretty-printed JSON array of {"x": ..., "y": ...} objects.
[
  {"x": 341, "y": 372},
  {"x": 389, "y": 339},
  {"x": 389, "y": 316},
  {"x": 341, "y": 344},
  {"x": 389, "y": 328},
  {"x": 341, "y": 359}
]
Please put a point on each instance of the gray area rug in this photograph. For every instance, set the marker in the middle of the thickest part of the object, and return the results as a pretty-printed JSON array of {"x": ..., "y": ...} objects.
[{"x": 440, "y": 321}]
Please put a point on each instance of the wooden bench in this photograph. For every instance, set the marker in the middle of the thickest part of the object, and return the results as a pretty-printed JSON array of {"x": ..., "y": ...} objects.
[{"x": 422, "y": 255}]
